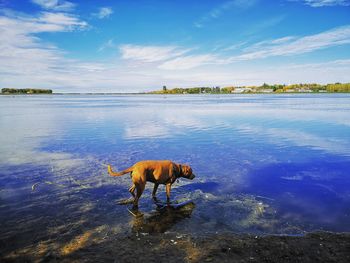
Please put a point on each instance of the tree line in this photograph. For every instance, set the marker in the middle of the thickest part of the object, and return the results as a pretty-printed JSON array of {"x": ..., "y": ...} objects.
[
  {"x": 338, "y": 87},
  {"x": 275, "y": 88},
  {"x": 25, "y": 91}
]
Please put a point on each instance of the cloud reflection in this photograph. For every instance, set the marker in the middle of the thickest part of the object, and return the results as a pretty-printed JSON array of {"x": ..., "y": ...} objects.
[{"x": 283, "y": 137}]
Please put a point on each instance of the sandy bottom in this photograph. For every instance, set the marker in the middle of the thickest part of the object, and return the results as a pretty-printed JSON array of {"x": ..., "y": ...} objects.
[{"x": 91, "y": 246}]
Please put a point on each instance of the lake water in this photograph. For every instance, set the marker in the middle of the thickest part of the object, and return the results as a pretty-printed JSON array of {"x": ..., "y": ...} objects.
[{"x": 265, "y": 164}]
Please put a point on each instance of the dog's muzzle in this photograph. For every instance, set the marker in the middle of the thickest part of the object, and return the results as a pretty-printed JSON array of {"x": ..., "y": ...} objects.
[{"x": 192, "y": 176}]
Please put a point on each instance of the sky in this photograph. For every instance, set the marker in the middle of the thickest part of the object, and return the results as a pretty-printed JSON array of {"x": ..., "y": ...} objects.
[{"x": 141, "y": 45}]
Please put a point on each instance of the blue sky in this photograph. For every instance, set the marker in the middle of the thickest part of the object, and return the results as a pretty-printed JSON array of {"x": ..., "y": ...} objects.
[{"x": 130, "y": 46}]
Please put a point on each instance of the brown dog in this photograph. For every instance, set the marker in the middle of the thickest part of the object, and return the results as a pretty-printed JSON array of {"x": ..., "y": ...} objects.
[{"x": 158, "y": 172}]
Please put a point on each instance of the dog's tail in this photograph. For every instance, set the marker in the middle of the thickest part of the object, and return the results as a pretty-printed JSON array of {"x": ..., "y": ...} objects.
[{"x": 111, "y": 173}]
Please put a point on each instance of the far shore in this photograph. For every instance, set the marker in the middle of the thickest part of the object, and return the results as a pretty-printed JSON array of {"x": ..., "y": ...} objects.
[
  {"x": 170, "y": 94},
  {"x": 305, "y": 88}
]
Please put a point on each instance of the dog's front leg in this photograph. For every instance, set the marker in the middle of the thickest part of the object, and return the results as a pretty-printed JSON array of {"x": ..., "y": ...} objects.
[
  {"x": 155, "y": 190},
  {"x": 168, "y": 188}
]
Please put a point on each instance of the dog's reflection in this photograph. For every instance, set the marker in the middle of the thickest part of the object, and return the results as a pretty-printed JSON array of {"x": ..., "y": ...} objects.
[{"x": 161, "y": 220}]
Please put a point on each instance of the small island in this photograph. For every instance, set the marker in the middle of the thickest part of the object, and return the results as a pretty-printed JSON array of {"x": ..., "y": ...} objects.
[
  {"x": 25, "y": 91},
  {"x": 265, "y": 88}
]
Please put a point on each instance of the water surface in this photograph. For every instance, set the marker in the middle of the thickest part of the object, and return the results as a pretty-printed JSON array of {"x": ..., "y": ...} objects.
[{"x": 265, "y": 164}]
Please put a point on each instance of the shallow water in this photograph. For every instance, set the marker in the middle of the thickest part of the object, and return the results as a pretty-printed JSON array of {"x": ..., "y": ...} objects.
[{"x": 265, "y": 164}]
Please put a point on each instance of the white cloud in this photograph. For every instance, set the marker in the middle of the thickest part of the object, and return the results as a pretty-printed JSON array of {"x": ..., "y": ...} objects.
[
  {"x": 15, "y": 25},
  {"x": 150, "y": 53},
  {"x": 328, "y": 65},
  {"x": 24, "y": 59},
  {"x": 63, "y": 21},
  {"x": 55, "y": 5},
  {"x": 268, "y": 43},
  {"x": 235, "y": 46},
  {"x": 235, "y": 74},
  {"x": 109, "y": 44},
  {"x": 321, "y": 3},
  {"x": 22, "y": 53},
  {"x": 221, "y": 9},
  {"x": 104, "y": 12},
  {"x": 323, "y": 73},
  {"x": 172, "y": 57},
  {"x": 287, "y": 46},
  {"x": 167, "y": 57},
  {"x": 188, "y": 62},
  {"x": 27, "y": 61},
  {"x": 262, "y": 25}
]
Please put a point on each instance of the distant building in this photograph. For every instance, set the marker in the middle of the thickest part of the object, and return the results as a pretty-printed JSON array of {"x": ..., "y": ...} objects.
[
  {"x": 304, "y": 90},
  {"x": 266, "y": 90},
  {"x": 241, "y": 90}
]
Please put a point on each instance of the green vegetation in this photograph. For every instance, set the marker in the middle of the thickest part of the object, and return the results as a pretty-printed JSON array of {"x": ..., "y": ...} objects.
[
  {"x": 195, "y": 90},
  {"x": 338, "y": 87},
  {"x": 265, "y": 88},
  {"x": 26, "y": 91}
]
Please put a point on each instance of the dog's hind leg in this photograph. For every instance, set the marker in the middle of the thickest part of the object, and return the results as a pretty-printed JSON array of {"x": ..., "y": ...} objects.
[
  {"x": 168, "y": 188},
  {"x": 139, "y": 191},
  {"x": 130, "y": 200},
  {"x": 132, "y": 190}
]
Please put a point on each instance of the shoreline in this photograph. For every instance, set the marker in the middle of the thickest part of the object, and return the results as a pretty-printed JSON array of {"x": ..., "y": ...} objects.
[
  {"x": 175, "y": 247},
  {"x": 174, "y": 94}
]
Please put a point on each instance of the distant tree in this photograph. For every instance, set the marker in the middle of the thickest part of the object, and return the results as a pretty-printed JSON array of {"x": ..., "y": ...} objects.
[
  {"x": 278, "y": 88},
  {"x": 227, "y": 90},
  {"x": 193, "y": 90},
  {"x": 25, "y": 91},
  {"x": 338, "y": 87}
]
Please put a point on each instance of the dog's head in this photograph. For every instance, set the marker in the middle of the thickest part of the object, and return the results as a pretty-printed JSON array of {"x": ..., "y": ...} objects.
[{"x": 186, "y": 172}]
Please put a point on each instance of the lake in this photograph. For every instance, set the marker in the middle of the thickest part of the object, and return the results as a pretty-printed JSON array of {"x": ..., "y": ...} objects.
[{"x": 264, "y": 164}]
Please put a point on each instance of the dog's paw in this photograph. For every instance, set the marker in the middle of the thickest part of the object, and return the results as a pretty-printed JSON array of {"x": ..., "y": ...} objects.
[{"x": 135, "y": 212}]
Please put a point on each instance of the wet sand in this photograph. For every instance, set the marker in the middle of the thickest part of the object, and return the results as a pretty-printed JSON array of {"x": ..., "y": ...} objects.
[{"x": 172, "y": 247}]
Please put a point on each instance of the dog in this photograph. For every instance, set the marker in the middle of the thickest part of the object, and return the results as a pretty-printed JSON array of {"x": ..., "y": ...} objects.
[{"x": 158, "y": 172}]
